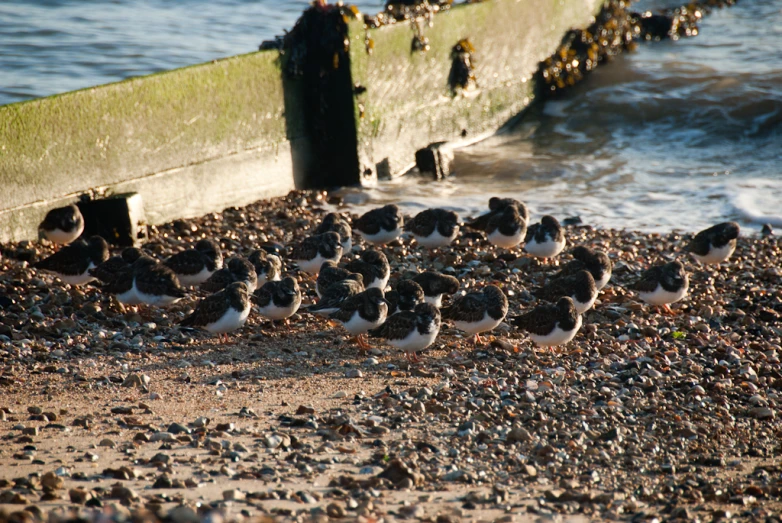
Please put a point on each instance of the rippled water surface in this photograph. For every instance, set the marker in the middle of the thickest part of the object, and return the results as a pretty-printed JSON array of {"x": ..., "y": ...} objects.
[{"x": 677, "y": 135}]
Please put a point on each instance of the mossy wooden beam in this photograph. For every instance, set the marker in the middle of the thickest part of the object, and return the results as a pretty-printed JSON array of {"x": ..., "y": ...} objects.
[
  {"x": 190, "y": 141},
  {"x": 408, "y": 102}
]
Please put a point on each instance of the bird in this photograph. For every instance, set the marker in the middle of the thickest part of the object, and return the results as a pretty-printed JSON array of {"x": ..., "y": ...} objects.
[
  {"x": 336, "y": 293},
  {"x": 278, "y": 300},
  {"x": 496, "y": 207},
  {"x": 580, "y": 287},
  {"x": 380, "y": 226},
  {"x": 373, "y": 266},
  {"x": 329, "y": 274},
  {"x": 109, "y": 269},
  {"x": 434, "y": 228},
  {"x": 596, "y": 262},
  {"x": 478, "y": 311},
  {"x": 410, "y": 331},
  {"x": 268, "y": 266},
  {"x": 310, "y": 253},
  {"x": 545, "y": 239},
  {"x": 715, "y": 244},
  {"x": 194, "y": 266},
  {"x": 362, "y": 312},
  {"x": 63, "y": 224},
  {"x": 662, "y": 285},
  {"x": 120, "y": 280},
  {"x": 155, "y": 284},
  {"x": 236, "y": 268},
  {"x": 506, "y": 229},
  {"x": 405, "y": 296},
  {"x": 334, "y": 222},
  {"x": 72, "y": 264},
  {"x": 221, "y": 312},
  {"x": 435, "y": 285},
  {"x": 549, "y": 324}
]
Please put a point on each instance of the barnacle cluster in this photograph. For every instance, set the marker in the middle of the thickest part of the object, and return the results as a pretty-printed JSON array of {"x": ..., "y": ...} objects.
[
  {"x": 613, "y": 31},
  {"x": 401, "y": 10},
  {"x": 461, "y": 75},
  {"x": 616, "y": 29}
]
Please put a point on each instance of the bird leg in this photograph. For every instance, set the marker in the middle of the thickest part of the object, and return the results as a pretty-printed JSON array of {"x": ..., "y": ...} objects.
[
  {"x": 476, "y": 339},
  {"x": 668, "y": 310},
  {"x": 362, "y": 343}
]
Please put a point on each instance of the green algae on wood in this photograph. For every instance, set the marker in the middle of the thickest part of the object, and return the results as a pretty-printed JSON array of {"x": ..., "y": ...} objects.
[{"x": 408, "y": 101}]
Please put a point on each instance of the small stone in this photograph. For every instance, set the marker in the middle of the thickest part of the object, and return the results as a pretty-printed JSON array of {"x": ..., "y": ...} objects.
[
  {"x": 335, "y": 510},
  {"x": 161, "y": 436},
  {"x": 79, "y": 495},
  {"x": 354, "y": 373},
  {"x": 234, "y": 495},
  {"x": 52, "y": 481},
  {"x": 530, "y": 470},
  {"x": 762, "y": 413},
  {"x": 30, "y": 431},
  {"x": 106, "y": 442},
  {"x": 138, "y": 381}
]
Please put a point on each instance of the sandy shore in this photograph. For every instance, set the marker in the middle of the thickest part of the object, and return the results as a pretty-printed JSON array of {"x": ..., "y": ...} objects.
[{"x": 642, "y": 416}]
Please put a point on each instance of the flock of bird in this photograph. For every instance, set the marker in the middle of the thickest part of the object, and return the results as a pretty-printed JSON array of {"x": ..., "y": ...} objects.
[{"x": 355, "y": 292}]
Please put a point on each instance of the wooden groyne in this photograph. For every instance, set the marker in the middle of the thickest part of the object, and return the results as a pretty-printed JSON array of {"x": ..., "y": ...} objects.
[{"x": 232, "y": 131}]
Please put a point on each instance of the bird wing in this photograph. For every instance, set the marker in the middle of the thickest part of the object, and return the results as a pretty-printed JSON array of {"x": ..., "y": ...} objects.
[
  {"x": 471, "y": 307},
  {"x": 70, "y": 260},
  {"x": 208, "y": 310},
  {"x": 109, "y": 269},
  {"x": 306, "y": 249},
  {"x": 263, "y": 296},
  {"x": 648, "y": 281},
  {"x": 347, "y": 308},
  {"x": 218, "y": 281},
  {"x": 423, "y": 224},
  {"x": 541, "y": 320},
  {"x": 396, "y": 327},
  {"x": 186, "y": 262},
  {"x": 158, "y": 280}
]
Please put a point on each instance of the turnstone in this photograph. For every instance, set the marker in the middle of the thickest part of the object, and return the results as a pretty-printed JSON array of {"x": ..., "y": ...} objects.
[
  {"x": 338, "y": 292},
  {"x": 329, "y": 274},
  {"x": 662, "y": 285},
  {"x": 380, "y": 226},
  {"x": 549, "y": 325},
  {"x": 478, "y": 311},
  {"x": 195, "y": 266},
  {"x": 434, "y": 228},
  {"x": 63, "y": 224},
  {"x": 311, "y": 252},
  {"x": 268, "y": 266},
  {"x": 108, "y": 270},
  {"x": 362, "y": 312},
  {"x": 373, "y": 266},
  {"x": 236, "y": 269},
  {"x": 497, "y": 206},
  {"x": 715, "y": 244},
  {"x": 410, "y": 331},
  {"x": 506, "y": 229},
  {"x": 405, "y": 296},
  {"x": 545, "y": 239},
  {"x": 580, "y": 287},
  {"x": 155, "y": 284},
  {"x": 584, "y": 258},
  {"x": 122, "y": 283},
  {"x": 73, "y": 263},
  {"x": 278, "y": 300},
  {"x": 334, "y": 222},
  {"x": 223, "y": 311},
  {"x": 435, "y": 285}
]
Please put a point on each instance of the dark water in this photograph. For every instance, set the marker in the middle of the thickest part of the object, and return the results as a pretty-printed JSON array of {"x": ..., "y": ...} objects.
[
  {"x": 677, "y": 135},
  {"x": 54, "y": 46}
]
